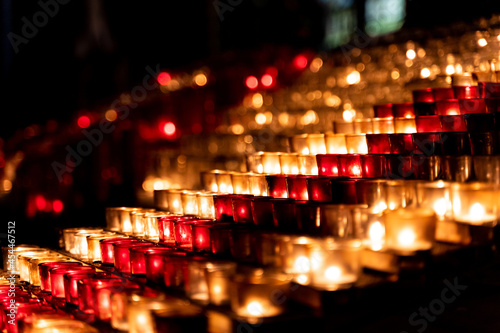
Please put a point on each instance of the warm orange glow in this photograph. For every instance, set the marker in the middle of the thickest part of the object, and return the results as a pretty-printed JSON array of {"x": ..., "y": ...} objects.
[
  {"x": 111, "y": 115},
  {"x": 425, "y": 73},
  {"x": 252, "y": 82},
  {"x": 353, "y": 78},
  {"x": 200, "y": 79},
  {"x": 410, "y": 54}
]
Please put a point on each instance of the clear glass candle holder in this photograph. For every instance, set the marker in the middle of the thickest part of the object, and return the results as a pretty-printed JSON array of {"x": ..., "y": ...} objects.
[
  {"x": 34, "y": 271},
  {"x": 436, "y": 196},
  {"x": 189, "y": 203},
  {"x": 94, "y": 246},
  {"x": 335, "y": 143},
  {"x": 401, "y": 193},
  {"x": 405, "y": 125},
  {"x": 299, "y": 144},
  {"x": 218, "y": 275},
  {"x": 10, "y": 263},
  {"x": 363, "y": 126},
  {"x": 475, "y": 203},
  {"x": 240, "y": 183},
  {"x": 410, "y": 229},
  {"x": 296, "y": 258},
  {"x": 258, "y": 185},
  {"x": 316, "y": 144},
  {"x": 307, "y": 164},
  {"x": 356, "y": 144},
  {"x": 289, "y": 164},
  {"x": 383, "y": 125},
  {"x": 206, "y": 208},
  {"x": 124, "y": 218}
]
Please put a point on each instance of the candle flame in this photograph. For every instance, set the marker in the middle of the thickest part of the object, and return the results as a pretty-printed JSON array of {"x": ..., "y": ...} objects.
[
  {"x": 333, "y": 273},
  {"x": 302, "y": 264},
  {"x": 406, "y": 237},
  {"x": 376, "y": 232},
  {"x": 254, "y": 308},
  {"x": 477, "y": 210}
]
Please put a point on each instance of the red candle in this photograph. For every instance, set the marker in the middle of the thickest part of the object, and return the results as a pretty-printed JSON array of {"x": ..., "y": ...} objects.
[
  {"x": 403, "y": 110},
  {"x": 138, "y": 257},
  {"x": 297, "y": 187},
  {"x": 107, "y": 251},
  {"x": 85, "y": 296},
  {"x": 183, "y": 235},
  {"x": 122, "y": 254},
  {"x": 426, "y": 124},
  {"x": 492, "y": 105},
  {"x": 166, "y": 228},
  {"x": 307, "y": 216},
  {"x": 344, "y": 191},
  {"x": 242, "y": 210},
  {"x": 155, "y": 263},
  {"x": 243, "y": 243},
  {"x": 466, "y": 92},
  {"x": 427, "y": 143},
  {"x": 71, "y": 286},
  {"x": 423, "y": 95},
  {"x": 45, "y": 267},
  {"x": 219, "y": 239},
  {"x": 399, "y": 166},
  {"x": 425, "y": 167},
  {"x": 201, "y": 235},
  {"x": 448, "y": 107},
  {"x": 284, "y": 214},
  {"x": 453, "y": 123},
  {"x": 277, "y": 186},
  {"x": 472, "y": 105},
  {"x": 223, "y": 204},
  {"x": 373, "y": 166},
  {"x": 262, "y": 212},
  {"x": 441, "y": 94},
  {"x": 401, "y": 143},
  {"x": 319, "y": 188},
  {"x": 56, "y": 278},
  {"x": 378, "y": 143},
  {"x": 483, "y": 143},
  {"x": 328, "y": 165},
  {"x": 383, "y": 111},
  {"x": 489, "y": 89},
  {"x": 350, "y": 166},
  {"x": 175, "y": 270}
]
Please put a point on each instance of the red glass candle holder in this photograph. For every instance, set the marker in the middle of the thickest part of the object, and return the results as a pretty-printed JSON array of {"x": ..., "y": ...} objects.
[
  {"x": 155, "y": 263},
  {"x": 455, "y": 143},
  {"x": 403, "y": 110},
  {"x": 307, "y": 217},
  {"x": 383, "y": 110},
  {"x": 297, "y": 187},
  {"x": 71, "y": 286},
  {"x": 85, "y": 291},
  {"x": 122, "y": 254},
  {"x": 377, "y": 144},
  {"x": 262, "y": 212},
  {"x": 24, "y": 311},
  {"x": 454, "y": 123},
  {"x": 373, "y": 165},
  {"x": 138, "y": 257},
  {"x": 399, "y": 166},
  {"x": 243, "y": 243},
  {"x": 277, "y": 186},
  {"x": 166, "y": 228},
  {"x": 426, "y": 167},
  {"x": 489, "y": 89},
  {"x": 426, "y": 124},
  {"x": 424, "y": 109},
  {"x": 466, "y": 92},
  {"x": 319, "y": 188},
  {"x": 201, "y": 235},
  {"x": 183, "y": 235},
  {"x": 427, "y": 143},
  {"x": 480, "y": 122},
  {"x": 344, "y": 191},
  {"x": 107, "y": 250},
  {"x": 242, "y": 210},
  {"x": 483, "y": 143},
  {"x": 472, "y": 105},
  {"x": 423, "y": 95},
  {"x": 492, "y": 105},
  {"x": 328, "y": 165},
  {"x": 57, "y": 278},
  {"x": 372, "y": 192},
  {"x": 220, "y": 234},
  {"x": 441, "y": 94},
  {"x": 401, "y": 143},
  {"x": 456, "y": 168},
  {"x": 223, "y": 207},
  {"x": 102, "y": 291},
  {"x": 284, "y": 214},
  {"x": 45, "y": 283},
  {"x": 350, "y": 166},
  {"x": 447, "y": 108},
  {"x": 175, "y": 270}
]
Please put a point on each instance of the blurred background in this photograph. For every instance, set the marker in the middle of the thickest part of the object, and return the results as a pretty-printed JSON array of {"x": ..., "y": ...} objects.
[{"x": 67, "y": 65}]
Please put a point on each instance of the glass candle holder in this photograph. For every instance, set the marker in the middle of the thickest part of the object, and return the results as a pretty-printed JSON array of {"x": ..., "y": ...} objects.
[
  {"x": 427, "y": 124},
  {"x": 209, "y": 181},
  {"x": 284, "y": 214},
  {"x": 240, "y": 183},
  {"x": 480, "y": 122},
  {"x": 344, "y": 191},
  {"x": 262, "y": 212},
  {"x": 443, "y": 94},
  {"x": 71, "y": 286},
  {"x": 23, "y": 264},
  {"x": 113, "y": 218},
  {"x": 466, "y": 92},
  {"x": 338, "y": 220},
  {"x": 475, "y": 203},
  {"x": 10, "y": 263},
  {"x": 138, "y": 221},
  {"x": 423, "y": 95},
  {"x": 107, "y": 250},
  {"x": 378, "y": 143},
  {"x": 403, "y": 110},
  {"x": 242, "y": 210},
  {"x": 46, "y": 321},
  {"x": 299, "y": 144},
  {"x": 401, "y": 143},
  {"x": 277, "y": 186},
  {"x": 201, "y": 235},
  {"x": 350, "y": 166},
  {"x": 34, "y": 270},
  {"x": 242, "y": 243},
  {"x": 489, "y": 89},
  {"x": 69, "y": 237},
  {"x": 258, "y": 185},
  {"x": 220, "y": 235},
  {"x": 373, "y": 166},
  {"x": 138, "y": 257},
  {"x": 174, "y": 198},
  {"x": 371, "y": 228},
  {"x": 427, "y": 143},
  {"x": 319, "y": 188},
  {"x": 426, "y": 167},
  {"x": 454, "y": 123},
  {"x": 372, "y": 192},
  {"x": 410, "y": 228},
  {"x": 270, "y": 163},
  {"x": 363, "y": 126},
  {"x": 455, "y": 144},
  {"x": 218, "y": 275},
  {"x": 206, "y": 208},
  {"x": 328, "y": 165},
  {"x": 56, "y": 278},
  {"x": 383, "y": 111},
  {"x": 289, "y": 164},
  {"x": 183, "y": 318},
  {"x": 335, "y": 264},
  {"x": 456, "y": 168},
  {"x": 44, "y": 268},
  {"x": 94, "y": 246},
  {"x": 152, "y": 232},
  {"x": 335, "y": 143},
  {"x": 124, "y": 218},
  {"x": 119, "y": 303},
  {"x": 160, "y": 201},
  {"x": 436, "y": 196},
  {"x": 316, "y": 144},
  {"x": 166, "y": 228},
  {"x": 399, "y": 166},
  {"x": 122, "y": 254},
  {"x": 447, "y": 107},
  {"x": 296, "y": 252},
  {"x": 307, "y": 164},
  {"x": 81, "y": 243},
  {"x": 356, "y": 144},
  {"x": 492, "y": 105},
  {"x": 197, "y": 285},
  {"x": 252, "y": 293},
  {"x": 473, "y": 105},
  {"x": 140, "y": 312},
  {"x": 183, "y": 235},
  {"x": 223, "y": 204},
  {"x": 424, "y": 109},
  {"x": 297, "y": 187},
  {"x": 401, "y": 193},
  {"x": 155, "y": 263},
  {"x": 224, "y": 182},
  {"x": 343, "y": 127},
  {"x": 189, "y": 203},
  {"x": 483, "y": 143},
  {"x": 175, "y": 271},
  {"x": 405, "y": 125},
  {"x": 383, "y": 125},
  {"x": 102, "y": 291},
  {"x": 487, "y": 168}
]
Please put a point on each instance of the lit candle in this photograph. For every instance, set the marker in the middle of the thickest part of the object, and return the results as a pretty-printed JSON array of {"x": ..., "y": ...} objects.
[
  {"x": 410, "y": 229},
  {"x": 475, "y": 203},
  {"x": 271, "y": 163},
  {"x": 335, "y": 143},
  {"x": 206, "y": 208},
  {"x": 289, "y": 164},
  {"x": 356, "y": 144},
  {"x": 316, "y": 144}
]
